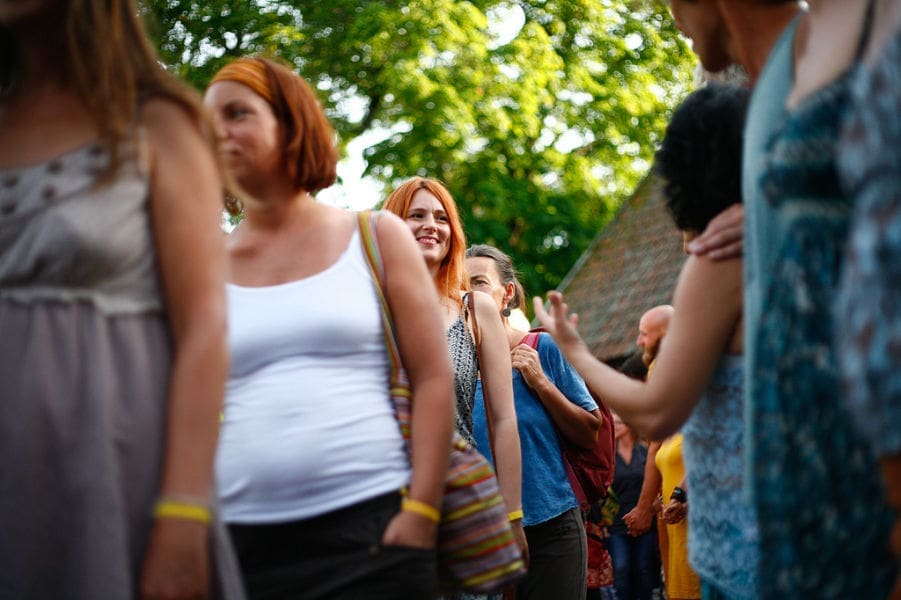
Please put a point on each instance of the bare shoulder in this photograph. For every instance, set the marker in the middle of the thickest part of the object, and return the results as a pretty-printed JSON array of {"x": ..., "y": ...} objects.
[
  {"x": 704, "y": 268},
  {"x": 389, "y": 223},
  {"x": 484, "y": 305},
  {"x": 161, "y": 116},
  {"x": 710, "y": 287},
  {"x": 886, "y": 25},
  {"x": 394, "y": 237},
  {"x": 172, "y": 131}
]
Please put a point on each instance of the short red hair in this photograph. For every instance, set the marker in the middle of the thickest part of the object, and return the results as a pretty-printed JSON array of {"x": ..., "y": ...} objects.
[
  {"x": 310, "y": 155},
  {"x": 451, "y": 277}
]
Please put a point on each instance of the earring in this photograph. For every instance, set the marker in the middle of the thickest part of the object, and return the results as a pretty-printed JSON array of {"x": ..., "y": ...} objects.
[{"x": 506, "y": 312}]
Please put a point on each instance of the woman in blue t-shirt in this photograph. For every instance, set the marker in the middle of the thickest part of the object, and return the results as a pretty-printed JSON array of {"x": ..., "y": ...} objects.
[{"x": 550, "y": 399}]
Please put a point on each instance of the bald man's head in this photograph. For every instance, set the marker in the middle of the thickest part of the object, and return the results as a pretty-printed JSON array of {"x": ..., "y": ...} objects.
[{"x": 651, "y": 329}]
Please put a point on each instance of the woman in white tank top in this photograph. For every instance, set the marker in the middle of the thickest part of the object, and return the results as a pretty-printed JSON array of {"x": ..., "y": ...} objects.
[{"x": 311, "y": 461}]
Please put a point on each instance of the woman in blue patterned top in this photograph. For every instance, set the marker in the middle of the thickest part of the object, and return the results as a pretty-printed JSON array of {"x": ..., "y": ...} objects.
[
  {"x": 868, "y": 328},
  {"x": 697, "y": 383},
  {"x": 803, "y": 445}
]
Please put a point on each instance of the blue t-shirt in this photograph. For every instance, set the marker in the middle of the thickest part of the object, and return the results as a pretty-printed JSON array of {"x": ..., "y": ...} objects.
[{"x": 546, "y": 492}]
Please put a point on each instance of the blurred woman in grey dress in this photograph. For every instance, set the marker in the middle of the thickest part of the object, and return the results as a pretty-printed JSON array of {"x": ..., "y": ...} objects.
[{"x": 112, "y": 314}]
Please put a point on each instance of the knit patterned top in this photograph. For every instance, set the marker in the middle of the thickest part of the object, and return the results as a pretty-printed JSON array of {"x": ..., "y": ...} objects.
[{"x": 722, "y": 530}]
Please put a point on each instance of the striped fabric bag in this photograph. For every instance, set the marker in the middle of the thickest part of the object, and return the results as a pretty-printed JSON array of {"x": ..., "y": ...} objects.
[{"x": 476, "y": 548}]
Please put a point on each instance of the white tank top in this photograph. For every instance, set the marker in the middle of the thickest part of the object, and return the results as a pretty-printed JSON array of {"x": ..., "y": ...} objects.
[{"x": 308, "y": 425}]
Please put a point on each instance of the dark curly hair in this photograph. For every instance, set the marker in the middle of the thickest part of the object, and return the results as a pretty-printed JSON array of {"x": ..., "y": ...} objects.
[{"x": 699, "y": 160}]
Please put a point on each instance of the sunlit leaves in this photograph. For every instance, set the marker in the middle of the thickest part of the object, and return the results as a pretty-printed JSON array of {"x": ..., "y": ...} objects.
[{"x": 540, "y": 115}]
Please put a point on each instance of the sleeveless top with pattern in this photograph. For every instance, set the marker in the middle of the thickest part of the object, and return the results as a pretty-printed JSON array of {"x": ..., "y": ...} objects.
[
  {"x": 85, "y": 357},
  {"x": 466, "y": 370},
  {"x": 722, "y": 528},
  {"x": 816, "y": 486}
]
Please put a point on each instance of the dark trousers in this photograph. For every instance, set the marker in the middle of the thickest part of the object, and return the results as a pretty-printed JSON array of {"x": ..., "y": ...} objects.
[
  {"x": 336, "y": 556},
  {"x": 558, "y": 559},
  {"x": 636, "y": 564}
]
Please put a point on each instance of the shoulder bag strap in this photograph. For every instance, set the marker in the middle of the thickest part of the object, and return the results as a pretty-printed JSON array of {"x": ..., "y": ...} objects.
[{"x": 401, "y": 394}]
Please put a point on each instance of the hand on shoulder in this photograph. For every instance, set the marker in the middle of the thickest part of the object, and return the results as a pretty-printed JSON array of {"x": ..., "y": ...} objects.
[{"x": 724, "y": 236}]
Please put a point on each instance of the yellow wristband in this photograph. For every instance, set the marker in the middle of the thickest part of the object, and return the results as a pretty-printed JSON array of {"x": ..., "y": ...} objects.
[
  {"x": 514, "y": 515},
  {"x": 421, "y": 508},
  {"x": 171, "y": 509}
]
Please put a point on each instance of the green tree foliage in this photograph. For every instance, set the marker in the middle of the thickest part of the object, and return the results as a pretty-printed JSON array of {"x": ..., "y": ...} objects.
[{"x": 539, "y": 135}]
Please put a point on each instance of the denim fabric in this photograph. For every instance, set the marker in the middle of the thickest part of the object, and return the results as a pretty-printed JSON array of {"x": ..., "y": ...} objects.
[
  {"x": 636, "y": 564},
  {"x": 546, "y": 492}
]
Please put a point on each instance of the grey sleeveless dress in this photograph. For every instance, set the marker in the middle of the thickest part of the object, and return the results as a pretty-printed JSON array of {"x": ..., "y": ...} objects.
[{"x": 85, "y": 357}]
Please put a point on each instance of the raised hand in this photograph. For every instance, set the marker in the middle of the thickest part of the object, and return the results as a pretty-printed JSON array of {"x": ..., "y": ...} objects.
[{"x": 559, "y": 323}]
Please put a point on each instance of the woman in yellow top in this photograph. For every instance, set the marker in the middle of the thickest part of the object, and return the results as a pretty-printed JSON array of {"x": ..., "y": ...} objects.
[{"x": 681, "y": 581}]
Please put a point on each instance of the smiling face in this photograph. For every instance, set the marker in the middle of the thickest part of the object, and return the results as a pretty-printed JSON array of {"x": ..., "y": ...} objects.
[
  {"x": 428, "y": 221},
  {"x": 251, "y": 137}
]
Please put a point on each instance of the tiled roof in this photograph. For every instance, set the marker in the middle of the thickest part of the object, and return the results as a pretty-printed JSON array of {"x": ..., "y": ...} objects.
[{"x": 631, "y": 266}]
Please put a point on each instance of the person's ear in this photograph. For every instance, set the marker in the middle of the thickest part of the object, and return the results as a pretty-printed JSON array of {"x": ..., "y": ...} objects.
[{"x": 509, "y": 293}]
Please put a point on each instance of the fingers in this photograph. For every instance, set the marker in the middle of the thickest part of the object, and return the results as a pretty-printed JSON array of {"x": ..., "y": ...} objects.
[
  {"x": 540, "y": 313},
  {"x": 733, "y": 250},
  {"x": 723, "y": 236}
]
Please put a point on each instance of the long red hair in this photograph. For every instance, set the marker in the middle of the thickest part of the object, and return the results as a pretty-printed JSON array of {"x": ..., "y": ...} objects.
[{"x": 451, "y": 277}]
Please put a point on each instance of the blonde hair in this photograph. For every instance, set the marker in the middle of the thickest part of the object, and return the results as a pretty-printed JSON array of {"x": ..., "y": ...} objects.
[{"x": 451, "y": 276}]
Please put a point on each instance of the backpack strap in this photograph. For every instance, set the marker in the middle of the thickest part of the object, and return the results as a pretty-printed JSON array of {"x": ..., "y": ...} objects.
[{"x": 531, "y": 340}]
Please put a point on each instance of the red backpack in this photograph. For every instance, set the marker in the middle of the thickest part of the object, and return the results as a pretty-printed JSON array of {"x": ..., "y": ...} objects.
[{"x": 590, "y": 471}]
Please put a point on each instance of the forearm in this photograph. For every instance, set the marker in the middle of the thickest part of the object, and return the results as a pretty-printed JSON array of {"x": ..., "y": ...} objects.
[
  {"x": 508, "y": 462},
  {"x": 647, "y": 412},
  {"x": 431, "y": 429},
  {"x": 575, "y": 423},
  {"x": 197, "y": 385},
  {"x": 653, "y": 480}
]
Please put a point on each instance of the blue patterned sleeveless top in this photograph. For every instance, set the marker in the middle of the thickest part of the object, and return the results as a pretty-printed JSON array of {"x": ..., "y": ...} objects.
[
  {"x": 816, "y": 487},
  {"x": 722, "y": 529}
]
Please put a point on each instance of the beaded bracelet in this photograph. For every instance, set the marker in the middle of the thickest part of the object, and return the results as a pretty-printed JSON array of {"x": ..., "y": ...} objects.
[{"x": 421, "y": 508}]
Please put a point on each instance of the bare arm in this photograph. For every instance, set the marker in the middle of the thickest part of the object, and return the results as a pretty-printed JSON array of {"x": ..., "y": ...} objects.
[
  {"x": 421, "y": 341},
  {"x": 724, "y": 236},
  {"x": 496, "y": 372},
  {"x": 578, "y": 425},
  {"x": 185, "y": 210},
  {"x": 707, "y": 308},
  {"x": 640, "y": 518},
  {"x": 497, "y": 382}
]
